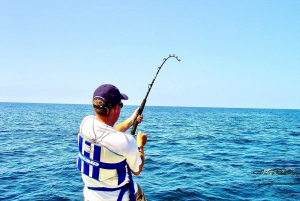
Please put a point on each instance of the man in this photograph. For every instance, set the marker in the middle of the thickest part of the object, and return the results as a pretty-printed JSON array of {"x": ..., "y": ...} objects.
[{"x": 107, "y": 156}]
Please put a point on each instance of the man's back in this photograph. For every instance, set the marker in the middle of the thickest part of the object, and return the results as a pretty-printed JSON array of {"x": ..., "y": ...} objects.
[{"x": 117, "y": 146}]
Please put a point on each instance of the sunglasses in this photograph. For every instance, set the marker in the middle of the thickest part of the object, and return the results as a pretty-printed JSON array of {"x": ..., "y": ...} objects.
[{"x": 121, "y": 104}]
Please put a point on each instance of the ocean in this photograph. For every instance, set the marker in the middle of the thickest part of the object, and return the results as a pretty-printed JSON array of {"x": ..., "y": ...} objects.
[{"x": 191, "y": 153}]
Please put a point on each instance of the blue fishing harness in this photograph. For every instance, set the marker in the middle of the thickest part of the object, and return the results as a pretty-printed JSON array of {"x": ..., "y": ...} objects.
[{"x": 90, "y": 164}]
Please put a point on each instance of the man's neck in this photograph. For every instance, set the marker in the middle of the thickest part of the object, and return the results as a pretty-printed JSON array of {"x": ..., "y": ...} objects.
[{"x": 105, "y": 120}]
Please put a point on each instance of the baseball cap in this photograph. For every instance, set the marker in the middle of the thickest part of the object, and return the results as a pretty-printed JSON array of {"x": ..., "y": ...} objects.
[{"x": 109, "y": 94}]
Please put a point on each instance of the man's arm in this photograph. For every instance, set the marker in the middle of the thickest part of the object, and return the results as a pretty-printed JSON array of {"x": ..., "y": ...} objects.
[
  {"x": 141, "y": 142},
  {"x": 122, "y": 127}
]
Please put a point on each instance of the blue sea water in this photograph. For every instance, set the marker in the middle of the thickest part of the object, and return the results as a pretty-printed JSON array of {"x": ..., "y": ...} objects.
[{"x": 191, "y": 153}]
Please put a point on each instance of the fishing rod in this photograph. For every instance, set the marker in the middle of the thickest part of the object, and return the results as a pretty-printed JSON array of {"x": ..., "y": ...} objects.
[{"x": 141, "y": 108}]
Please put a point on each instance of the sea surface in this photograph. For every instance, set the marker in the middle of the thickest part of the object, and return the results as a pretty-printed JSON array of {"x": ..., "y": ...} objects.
[{"x": 191, "y": 153}]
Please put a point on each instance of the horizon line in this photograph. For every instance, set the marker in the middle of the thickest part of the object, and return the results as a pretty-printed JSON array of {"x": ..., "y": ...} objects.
[{"x": 220, "y": 107}]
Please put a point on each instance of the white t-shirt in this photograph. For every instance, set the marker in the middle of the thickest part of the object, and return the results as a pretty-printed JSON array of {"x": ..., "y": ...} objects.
[{"x": 118, "y": 142}]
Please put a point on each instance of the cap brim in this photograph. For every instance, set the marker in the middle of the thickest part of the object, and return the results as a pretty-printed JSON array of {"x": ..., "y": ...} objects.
[{"x": 124, "y": 96}]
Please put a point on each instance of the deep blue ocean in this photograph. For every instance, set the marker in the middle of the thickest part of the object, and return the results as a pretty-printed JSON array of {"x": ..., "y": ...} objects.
[{"x": 191, "y": 153}]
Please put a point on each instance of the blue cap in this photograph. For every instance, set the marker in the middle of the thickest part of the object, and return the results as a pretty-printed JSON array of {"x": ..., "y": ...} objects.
[{"x": 108, "y": 93}]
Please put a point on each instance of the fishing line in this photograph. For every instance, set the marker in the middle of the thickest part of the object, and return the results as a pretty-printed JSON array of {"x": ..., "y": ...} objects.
[{"x": 141, "y": 108}]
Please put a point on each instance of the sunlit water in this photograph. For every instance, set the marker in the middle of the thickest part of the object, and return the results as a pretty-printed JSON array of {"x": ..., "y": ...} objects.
[{"x": 191, "y": 153}]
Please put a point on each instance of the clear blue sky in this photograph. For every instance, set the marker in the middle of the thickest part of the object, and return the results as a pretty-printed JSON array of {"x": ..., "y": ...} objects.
[{"x": 233, "y": 53}]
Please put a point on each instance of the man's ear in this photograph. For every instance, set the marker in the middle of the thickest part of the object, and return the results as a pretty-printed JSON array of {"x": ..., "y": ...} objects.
[{"x": 114, "y": 109}]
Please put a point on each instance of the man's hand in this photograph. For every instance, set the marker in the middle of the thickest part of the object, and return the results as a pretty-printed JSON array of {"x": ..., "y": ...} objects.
[
  {"x": 135, "y": 116},
  {"x": 141, "y": 139}
]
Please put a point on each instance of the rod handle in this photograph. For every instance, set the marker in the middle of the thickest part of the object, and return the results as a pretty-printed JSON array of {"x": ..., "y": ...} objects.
[{"x": 135, "y": 124}]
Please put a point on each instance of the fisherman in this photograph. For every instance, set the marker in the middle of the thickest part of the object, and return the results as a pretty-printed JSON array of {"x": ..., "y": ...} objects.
[{"x": 107, "y": 156}]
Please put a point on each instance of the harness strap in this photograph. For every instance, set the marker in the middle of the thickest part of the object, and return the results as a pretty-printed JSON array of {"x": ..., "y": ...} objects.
[
  {"x": 131, "y": 195},
  {"x": 106, "y": 189}
]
